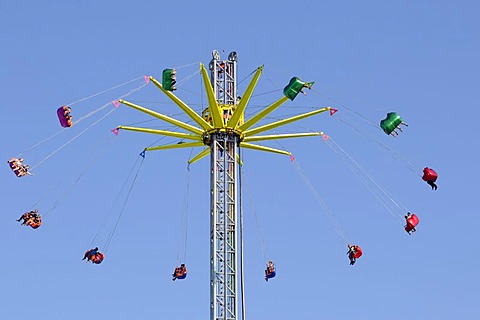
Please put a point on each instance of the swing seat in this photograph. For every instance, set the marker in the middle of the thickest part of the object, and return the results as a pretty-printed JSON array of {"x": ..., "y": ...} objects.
[
  {"x": 429, "y": 175},
  {"x": 62, "y": 118},
  {"x": 183, "y": 276},
  {"x": 294, "y": 87},
  {"x": 358, "y": 253},
  {"x": 97, "y": 258},
  {"x": 390, "y": 123},
  {"x": 17, "y": 167},
  {"x": 35, "y": 225},
  {"x": 14, "y": 163},
  {"x": 412, "y": 222}
]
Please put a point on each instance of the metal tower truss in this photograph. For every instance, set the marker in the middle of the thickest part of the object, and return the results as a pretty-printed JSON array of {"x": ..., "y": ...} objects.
[
  {"x": 223, "y": 226},
  {"x": 221, "y": 131},
  {"x": 223, "y": 76}
]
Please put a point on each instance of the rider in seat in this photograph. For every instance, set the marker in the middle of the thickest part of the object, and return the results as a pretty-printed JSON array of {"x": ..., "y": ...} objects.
[
  {"x": 18, "y": 167},
  {"x": 31, "y": 218},
  {"x": 26, "y": 216},
  {"x": 90, "y": 254},
  {"x": 180, "y": 272},
  {"x": 412, "y": 221},
  {"x": 354, "y": 252},
  {"x": 270, "y": 271}
]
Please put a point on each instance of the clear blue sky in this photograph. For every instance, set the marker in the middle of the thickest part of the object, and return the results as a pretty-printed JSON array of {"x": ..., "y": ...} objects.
[{"x": 419, "y": 58}]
